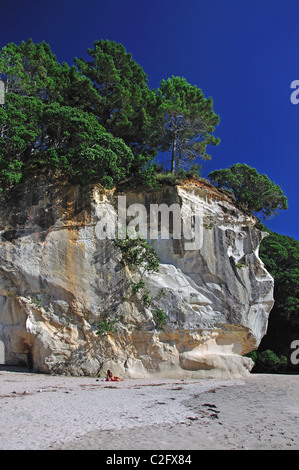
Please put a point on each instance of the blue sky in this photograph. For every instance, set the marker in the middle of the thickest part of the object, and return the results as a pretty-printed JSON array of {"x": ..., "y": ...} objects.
[{"x": 242, "y": 53}]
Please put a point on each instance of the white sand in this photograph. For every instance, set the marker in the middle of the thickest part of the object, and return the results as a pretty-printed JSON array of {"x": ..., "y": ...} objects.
[{"x": 41, "y": 411}]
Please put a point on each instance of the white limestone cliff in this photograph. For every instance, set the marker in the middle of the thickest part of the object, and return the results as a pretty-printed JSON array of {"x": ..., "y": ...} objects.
[{"x": 58, "y": 280}]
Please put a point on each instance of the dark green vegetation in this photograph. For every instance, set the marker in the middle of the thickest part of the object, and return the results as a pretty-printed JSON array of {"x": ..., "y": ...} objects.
[
  {"x": 160, "y": 317},
  {"x": 190, "y": 122},
  {"x": 138, "y": 255},
  {"x": 252, "y": 190},
  {"x": 97, "y": 120},
  {"x": 105, "y": 327},
  {"x": 280, "y": 255},
  {"x": 267, "y": 361}
]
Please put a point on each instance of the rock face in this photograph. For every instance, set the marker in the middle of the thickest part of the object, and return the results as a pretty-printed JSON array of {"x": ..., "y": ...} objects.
[{"x": 59, "y": 278}]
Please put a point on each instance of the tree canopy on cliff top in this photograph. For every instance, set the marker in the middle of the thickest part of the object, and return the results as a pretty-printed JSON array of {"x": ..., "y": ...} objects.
[
  {"x": 48, "y": 121},
  {"x": 189, "y": 122},
  {"x": 254, "y": 191},
  {"x": 97, "y": 120}
]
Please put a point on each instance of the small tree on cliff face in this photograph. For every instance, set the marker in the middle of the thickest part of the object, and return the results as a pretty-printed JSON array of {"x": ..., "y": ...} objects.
[
  {"x": 255, "y": 191},
  {"x": 189, "y": 122}
]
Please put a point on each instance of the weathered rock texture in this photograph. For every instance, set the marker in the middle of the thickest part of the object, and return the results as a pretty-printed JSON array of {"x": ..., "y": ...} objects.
[{"x": 58, "y": 280}]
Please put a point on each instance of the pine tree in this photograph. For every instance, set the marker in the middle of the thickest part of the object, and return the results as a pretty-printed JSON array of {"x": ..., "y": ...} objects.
[
  {"x": 126, "y": 106},
  {"x": 189, "y": 122}
]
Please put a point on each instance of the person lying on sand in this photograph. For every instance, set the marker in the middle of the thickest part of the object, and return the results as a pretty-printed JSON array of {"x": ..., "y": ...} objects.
[{"x": 111, "y": 377}]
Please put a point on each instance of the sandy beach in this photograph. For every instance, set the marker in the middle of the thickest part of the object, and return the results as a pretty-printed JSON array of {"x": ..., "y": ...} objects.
[{"x": 41, "y": 412}]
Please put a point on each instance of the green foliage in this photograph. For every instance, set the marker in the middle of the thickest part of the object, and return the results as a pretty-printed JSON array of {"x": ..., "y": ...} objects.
[
  {"x": 194, "y": 171},
  {"x": 97, "y": 120},
  {"x": 189, "y": 122},
  {"x": 280, "y": 254},
  {"x": 19, "y": 125},
  {"x": 161, "y": 293},
  {"x": 49, "y": 121},
  {"x": 126, "y": 106},
  {"x": 105, "y": 327},
  {"x": 138, "y": 254},
  {"x": 146, "y": 174},
  {"x": 30, "y": 69},
  {"x": 240, "y": 265},
  {"x": 168, "y": 178},
  {"x": 267, "y": 361},
  {"x": 35, "y": 134},
  {"x": 251, "y": 189},
  {"x": 160, "y": 317},
  {"x": 19, "y": 133},
  {"x": 36, "y": 301},
  {"x": 33, "y": 70},
  {"x": 81, "y": 147},
  {"x": 136, "y": 286}
]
